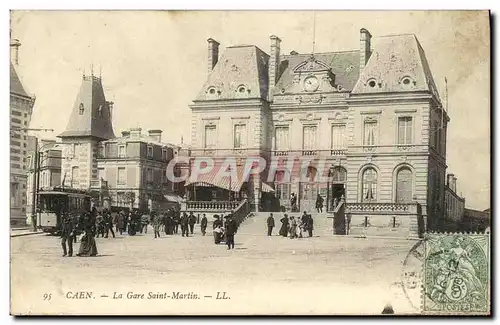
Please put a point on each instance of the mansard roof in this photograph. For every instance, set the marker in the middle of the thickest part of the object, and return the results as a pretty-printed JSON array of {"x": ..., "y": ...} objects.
[
  {"x": 242, "y": 67},
  {"x": 344, "y": 65},
  {"x": 91, "y": 113},
  {"x": 397, "y": 64},
  {"x": 16, "y": 85}
]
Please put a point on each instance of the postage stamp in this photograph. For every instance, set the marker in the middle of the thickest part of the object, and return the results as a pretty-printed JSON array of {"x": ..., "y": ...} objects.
[{"x": 456, "y": 274}]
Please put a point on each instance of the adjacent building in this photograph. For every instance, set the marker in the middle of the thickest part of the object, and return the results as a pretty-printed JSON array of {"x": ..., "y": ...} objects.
[
  {"x": 49, "y": 172},
  {"x": 21, "y": 108},
  {"x": 134, "y": 167},
  {"x": 454, "y": 204},
  {"x": 373, "y": 114},
  {"x": 122, "y": 172}
]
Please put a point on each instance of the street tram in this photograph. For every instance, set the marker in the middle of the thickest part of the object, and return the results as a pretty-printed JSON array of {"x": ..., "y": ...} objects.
[{"x": 55, "y": 202}]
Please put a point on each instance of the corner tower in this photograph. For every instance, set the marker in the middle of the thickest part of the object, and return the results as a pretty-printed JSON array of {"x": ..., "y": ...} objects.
[{"x": 90, "y": 122}]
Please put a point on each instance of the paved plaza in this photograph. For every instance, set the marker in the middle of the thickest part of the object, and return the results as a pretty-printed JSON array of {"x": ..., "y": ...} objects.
[{"x": 325, "y": 274}]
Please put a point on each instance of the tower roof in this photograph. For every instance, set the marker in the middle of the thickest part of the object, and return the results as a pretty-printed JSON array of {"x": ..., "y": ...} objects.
[
  {"x": 239, "y": 66},
  {"x": 91, "y": 113},
  {"x": 16, "y": 85},
  {"x": 397, "y": 64}
]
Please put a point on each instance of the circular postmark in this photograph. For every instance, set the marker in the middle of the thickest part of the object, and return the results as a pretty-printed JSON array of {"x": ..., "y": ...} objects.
[{"x": 411, "y": 277}]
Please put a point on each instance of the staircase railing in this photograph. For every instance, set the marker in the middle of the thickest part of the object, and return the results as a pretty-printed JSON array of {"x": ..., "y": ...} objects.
[
  {"x": 241, "y": 212},
  {"x": 211, "y": 205}
]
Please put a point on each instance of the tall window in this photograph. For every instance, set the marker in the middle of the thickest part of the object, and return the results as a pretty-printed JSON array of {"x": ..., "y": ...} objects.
[
  {"x": 369, "y": 185},
  {"x": 14, "y": 197},
  {"x": 122, "y": 177},
  {"x": 75, "y": 176},
  {"x": 404, "y": 185},
  {"x": 282, "y": 140},
  {"x": 101, "y": 173},
  {"x": 149, "y": 175},
  {"x": 81, "y": 109},
  {"x": 164, "y": 154},
  {"x": 405, "y": 130},
  {"x": 339, "y": 174},
  {"x": 210, "y": 136},
  {"x": 282, "y": 190},
  {"x": 338, "y": 136},
  {"x": 370, "y": 133},
  {"x": 150, "y": 152},
  {"x": 309, "y": 137},
  {"x": 240, "y": 136},
  {"x": 122, "y": 151},
  {"x": 102, "y": 150},
  {"x": 435, "y": 135}
]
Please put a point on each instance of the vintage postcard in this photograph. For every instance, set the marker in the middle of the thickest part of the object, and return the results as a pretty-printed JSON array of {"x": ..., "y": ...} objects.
[{"x": 250, "y": 163}]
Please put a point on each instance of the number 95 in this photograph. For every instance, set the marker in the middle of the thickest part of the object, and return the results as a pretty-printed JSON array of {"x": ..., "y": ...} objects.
[{"x": 47, "y": 296}]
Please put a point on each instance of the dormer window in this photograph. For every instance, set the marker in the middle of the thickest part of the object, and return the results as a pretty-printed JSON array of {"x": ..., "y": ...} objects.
[
  {"x": 81, "y": 109},
  {"x": 372, "y": 83},
  {"x": 150, "y": 151},
  {"x": 241, "y": 89},
  {"x": 212, "y": 92},
  {"x": 406, "y": 81}
]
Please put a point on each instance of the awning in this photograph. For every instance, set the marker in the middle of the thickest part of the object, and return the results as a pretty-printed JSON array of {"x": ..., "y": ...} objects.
[
  {"x": 267, "y": 188},
  {"x": 173, "y": 198},
  {"x": 212, "y": 179}
]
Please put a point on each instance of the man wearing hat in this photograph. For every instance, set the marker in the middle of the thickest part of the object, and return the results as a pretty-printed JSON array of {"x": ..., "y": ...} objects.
[
  {"x": 231, "y": 228},
  {"x": 270, "y": 225},
  {"x": 67, "y": 236}
]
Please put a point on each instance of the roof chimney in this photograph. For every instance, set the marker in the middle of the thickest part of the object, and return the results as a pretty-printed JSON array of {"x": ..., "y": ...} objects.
[
  {"x": 155, "y": 134},
  {"x": 364, "y": 48},
  {"x": 213, "y": 54},
  {"x": 125, "y": 133},
  {"x": 274, "y": 63},
  {"x": 135, "y": 132},
  {"x": 14, "y": 51}
]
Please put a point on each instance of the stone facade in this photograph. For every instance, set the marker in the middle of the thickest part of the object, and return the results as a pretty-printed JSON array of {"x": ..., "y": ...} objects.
[
  {"x": 21, "y": 109},
  {"x": 371, "y": 115}
]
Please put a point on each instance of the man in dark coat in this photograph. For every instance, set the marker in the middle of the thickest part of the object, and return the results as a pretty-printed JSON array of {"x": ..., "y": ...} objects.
[
  {"x": 319, "y": 203},
  {"x": 284, "y": 226},
  {"x": 203, "y": 224},
  {"x": 177, "y": 221},
  {"x": 108, "y": 221},
  {"x": 310, "y": 225},
  {"x": 185, "y": 225},
  {"x": 270, "y": 225},
  {"x": 192, "y": 222},
  {"x": 231, "y": 228},
  {"x": 67, "y": 236}
]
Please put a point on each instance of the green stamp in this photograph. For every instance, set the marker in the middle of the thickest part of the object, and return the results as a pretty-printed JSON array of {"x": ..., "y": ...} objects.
[{"x": 456, "y": 274}]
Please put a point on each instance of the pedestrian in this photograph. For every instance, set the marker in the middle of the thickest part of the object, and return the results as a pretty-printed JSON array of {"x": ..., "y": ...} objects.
[
  {"x": 88, "y": 245},
  {"x": 67, "y": 236},
  {"x": 310, "y": 225},
  {"x": 177, "y": 221},
  {"x": 217, "y": 229},
  {"x": 203, "y": 224},
  {"x": 185, "y": 225},
  {"x": 335, "y": 203},
  {"x": 284, "y": 226},
  {"x": 120, "y": 222},
  {"x": 270, "y": 225},
  {"x": 192, "y": 222},
  {"x": 108, "y": 222},
  {"x": 293, "y": 202},
  {"x": 230, "y": 229},
  {"x": 100, "y": 224},
  {"x": 319, "y": 203},
  {"x": 156, "y": 224},
  {"x": 293, "y": 227},
  {"x": 145, "y": 220}
]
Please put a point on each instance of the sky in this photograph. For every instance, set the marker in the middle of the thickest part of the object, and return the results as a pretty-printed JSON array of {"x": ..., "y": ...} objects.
[{"x": 153, "y": 63}]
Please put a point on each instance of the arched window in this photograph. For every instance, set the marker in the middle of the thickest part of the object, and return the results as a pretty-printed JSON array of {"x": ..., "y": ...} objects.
[
  {"x": 369, "y": 185},
  {"x": 404, "y": 185},
  {"x": 338, "y": 174},
  {"x": 81, "y": 109}
]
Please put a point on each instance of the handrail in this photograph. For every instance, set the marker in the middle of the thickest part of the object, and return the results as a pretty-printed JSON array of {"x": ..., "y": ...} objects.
[{"x": 211, "y": 205}]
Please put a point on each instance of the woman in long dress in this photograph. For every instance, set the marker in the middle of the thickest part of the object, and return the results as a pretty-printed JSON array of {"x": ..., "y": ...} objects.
[
  {"x": 284, "y": 226},
  {"x": 88, "y": 246}
]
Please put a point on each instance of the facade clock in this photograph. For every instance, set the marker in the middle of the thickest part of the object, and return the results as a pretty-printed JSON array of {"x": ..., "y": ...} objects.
[{"x": 311, "y": 83}]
